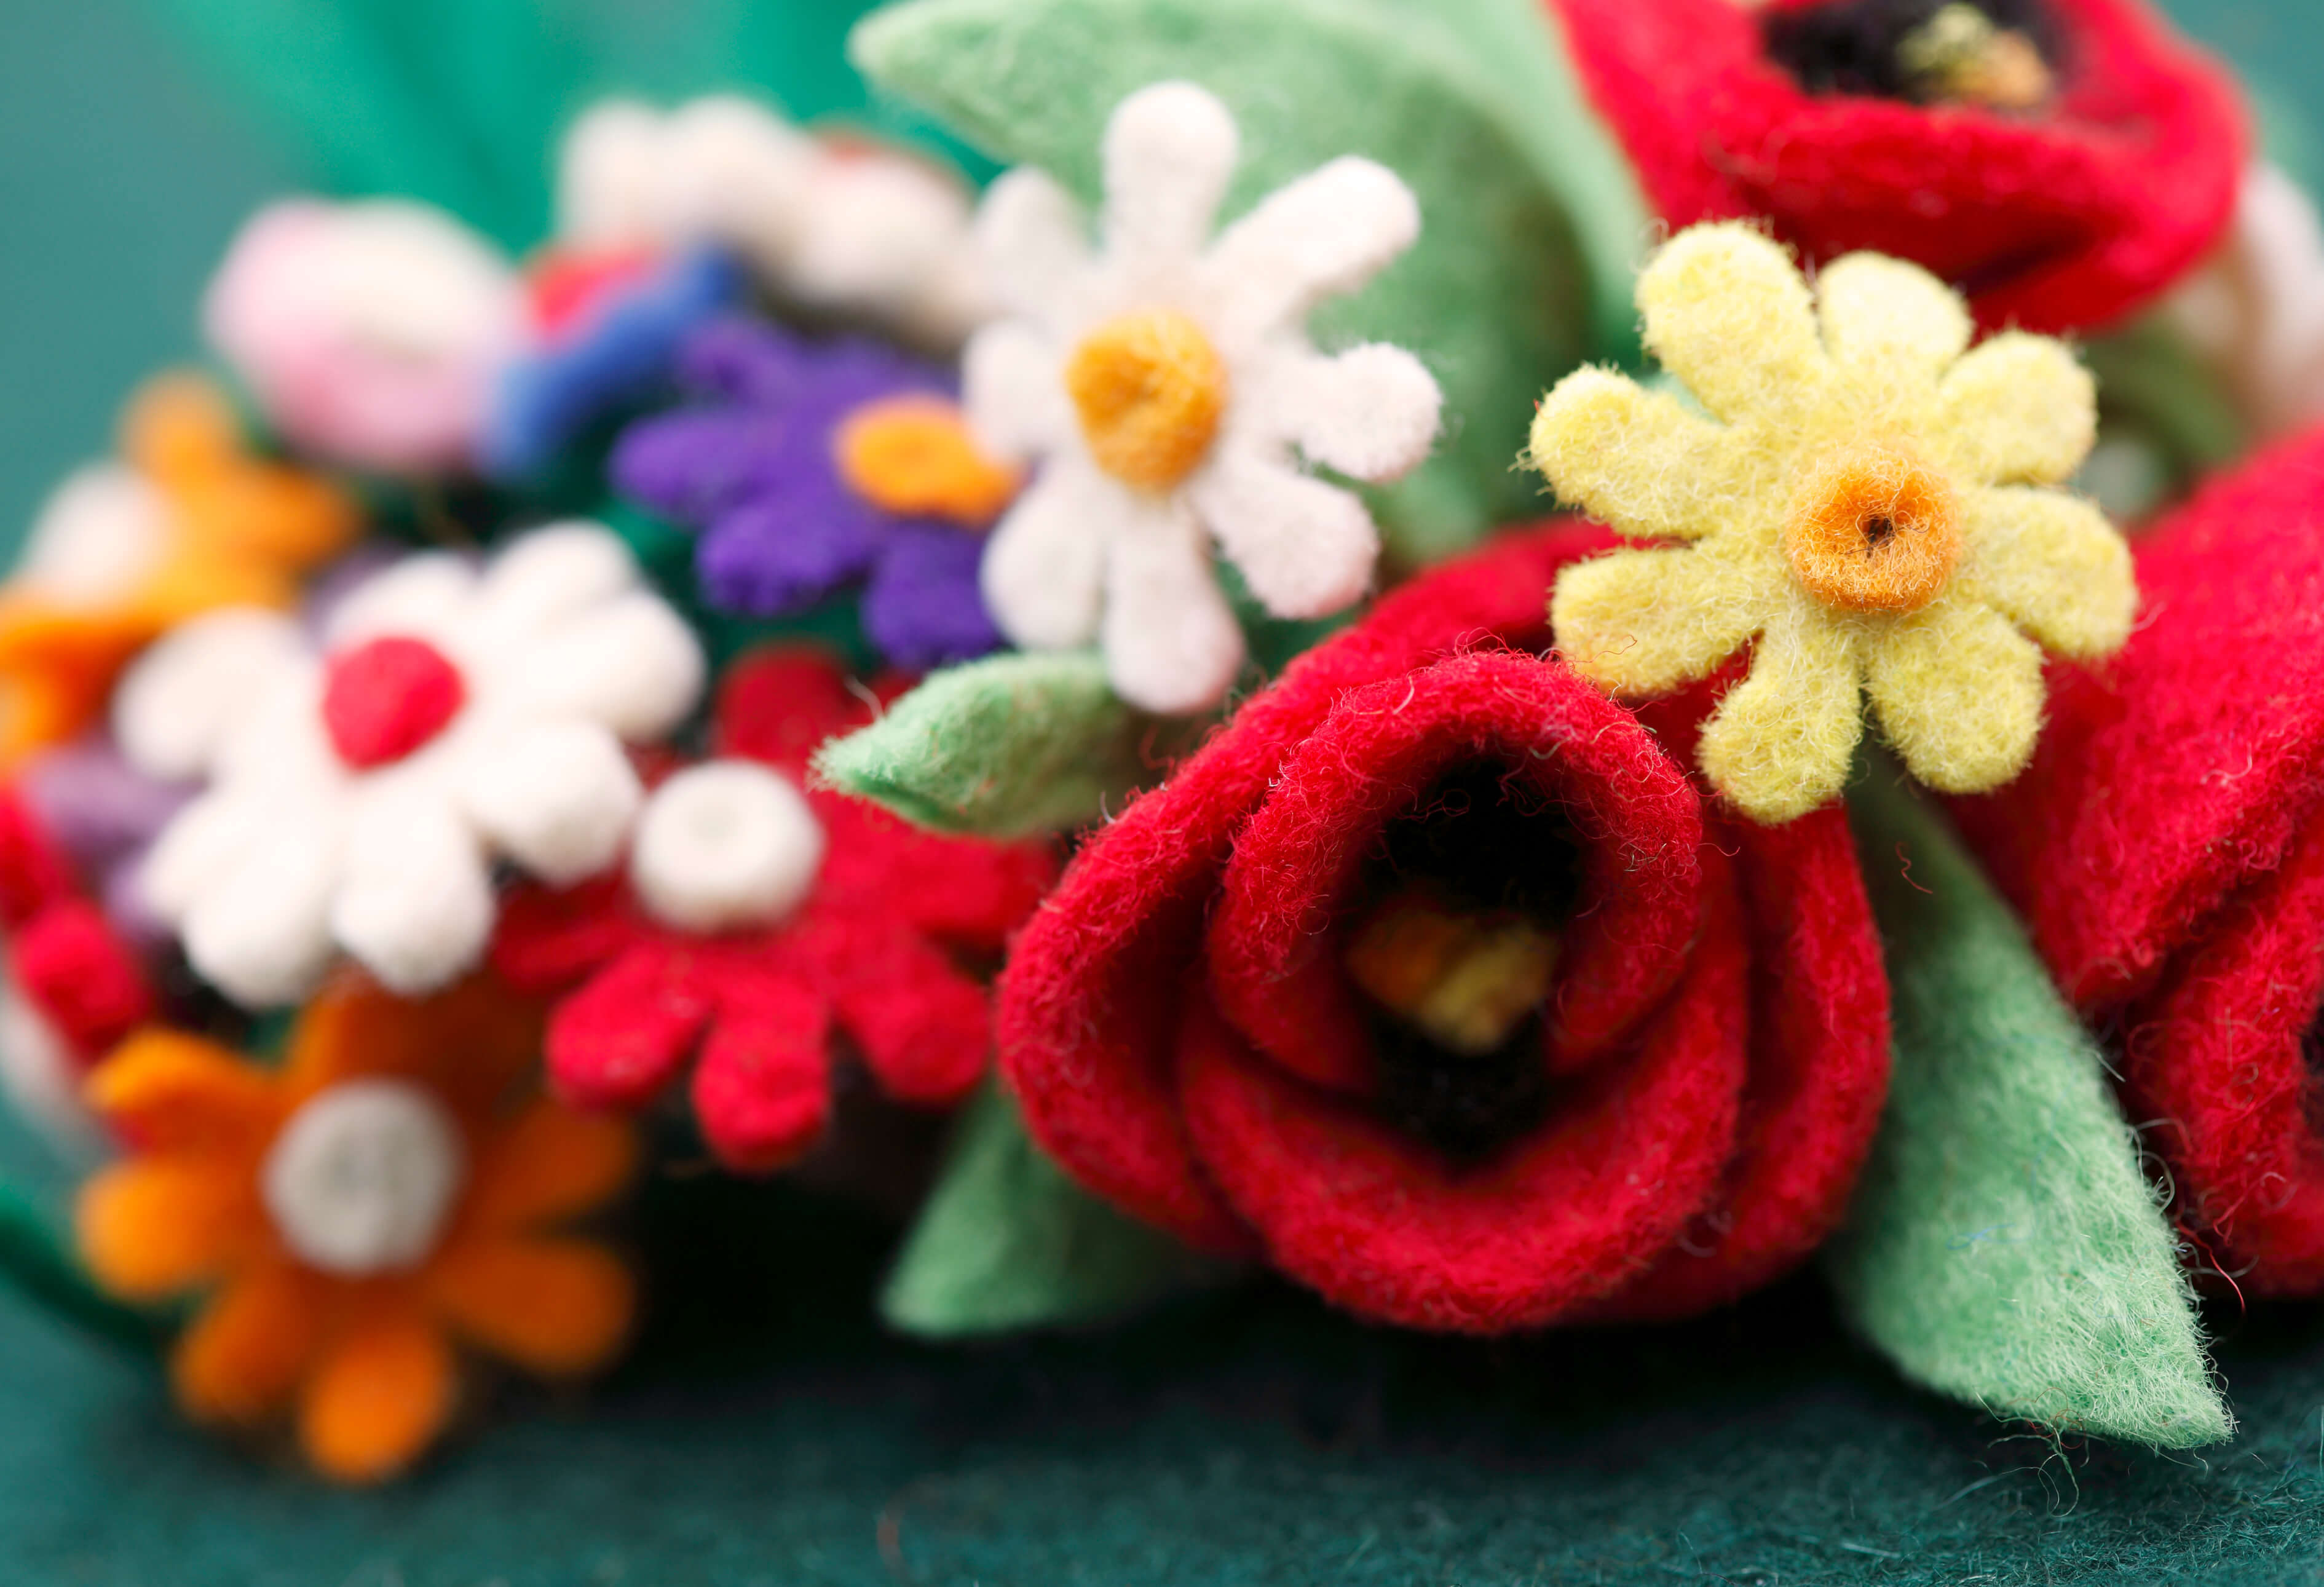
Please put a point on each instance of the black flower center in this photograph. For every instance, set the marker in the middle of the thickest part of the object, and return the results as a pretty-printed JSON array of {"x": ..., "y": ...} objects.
[
  {"x": 1999, "y": 54},
  {"x": 1455, "y": 948}
]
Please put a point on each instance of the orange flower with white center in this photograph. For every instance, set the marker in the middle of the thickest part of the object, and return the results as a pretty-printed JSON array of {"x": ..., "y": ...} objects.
[
  {"x": 1169, "y": 390},
  {"x": 188, "y": 522},
  {"x": 389, "y": 1194}
]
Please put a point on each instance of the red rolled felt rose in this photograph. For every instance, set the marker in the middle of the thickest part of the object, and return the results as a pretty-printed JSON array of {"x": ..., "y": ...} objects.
[
  {"x": 1431, "y": 977},
  {"x": 2166, "y": 847},
  {"x": 2060, "y": 160},
  {"x": 758, "y": 919}
]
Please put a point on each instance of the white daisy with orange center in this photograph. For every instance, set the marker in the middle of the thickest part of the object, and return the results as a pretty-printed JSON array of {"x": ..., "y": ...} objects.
[{"x": 1167, "y": 386}]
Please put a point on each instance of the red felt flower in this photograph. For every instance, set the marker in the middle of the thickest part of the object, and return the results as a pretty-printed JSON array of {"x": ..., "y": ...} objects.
[
  {"x": 2058, "y": 217},
  {"x": 78, "y": 988},
  {"x": 2166, "y": 847},
  {"x": 1678, "y": 1123},
  {"x": 864, "y": 950}
]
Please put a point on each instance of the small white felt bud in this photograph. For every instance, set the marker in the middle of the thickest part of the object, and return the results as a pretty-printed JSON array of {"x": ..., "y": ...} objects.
[
  {"x": 99, "y": 534},
  {"x": 361, "y": 1177},
  {"x": 725, "y": 845}
]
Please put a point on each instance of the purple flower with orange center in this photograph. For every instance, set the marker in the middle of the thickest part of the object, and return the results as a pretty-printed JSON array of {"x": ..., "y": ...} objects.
[{"x": 812, "y": 467}]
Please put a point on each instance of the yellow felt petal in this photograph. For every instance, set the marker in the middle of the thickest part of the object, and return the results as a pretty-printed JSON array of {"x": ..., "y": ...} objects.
[
  {"x": 1727, "y": 313},
  {"x": 1643, "y": 623},
  {"x": 2054, "y": 565},
  {"x": 1780, "y": 743},
  {"x": 1959, "y": 693},
  {"x": 1882, "y": 313},
  {"x": 1633, "y": 458},
  {"x": 2016, "y": 410}
]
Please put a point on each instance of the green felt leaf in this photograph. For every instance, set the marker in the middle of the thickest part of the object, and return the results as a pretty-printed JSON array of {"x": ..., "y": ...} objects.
[
  {"x": 1006, "y": 747},
  {"x": 1007, "y": 1241},
  {"x": 2004, "y": 1247},
  {"x": 1528, "y": 216}
]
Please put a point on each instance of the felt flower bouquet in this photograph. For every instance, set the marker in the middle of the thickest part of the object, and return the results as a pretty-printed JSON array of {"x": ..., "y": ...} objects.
[{"x": 1529, "y": 665}]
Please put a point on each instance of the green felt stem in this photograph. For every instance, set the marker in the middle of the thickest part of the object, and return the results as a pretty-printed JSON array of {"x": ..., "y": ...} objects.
[
  {"x": 2004, "y": 1247},
  {"x": 34, "y": 1263},
  {"x": 1525, "y": 209},
  {"x": 1009, "y": 746},
  {"x": 1006, "y": 1242}
]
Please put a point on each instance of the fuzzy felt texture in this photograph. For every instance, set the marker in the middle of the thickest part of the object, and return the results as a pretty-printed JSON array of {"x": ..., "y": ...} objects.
[
  {"x": 755, "y": 463},
  {"x": 2005, "y": 1247},
  {"x": 211, "y": 524},
  {"x": 2163, "y": 851},
  {"x": 64, "y": 956},
  {"x": 103, "y": 815},
  {"x": 1008, "y": 1241},
  {"x": 1530, "y": 227},
  {"x": 1732, "y": 1033},
  {"x": 613, "y": 354},
  {"x": 2065, "y": 217},
  {"x": 1163, "y": 386},
  {"x": 1865, "y": 509},
  {"x": 757, "y": 1007},
  {"x": 365, "y": 1359},
  {"x": 1006, "y": 747}
]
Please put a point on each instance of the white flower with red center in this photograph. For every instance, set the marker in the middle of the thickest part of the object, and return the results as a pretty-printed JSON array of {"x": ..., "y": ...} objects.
[
  {"x": 1165, "y": 384},
  {"x": 357, "y": 800}
]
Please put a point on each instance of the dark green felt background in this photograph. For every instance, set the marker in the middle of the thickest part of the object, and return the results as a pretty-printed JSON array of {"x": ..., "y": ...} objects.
[{"x": 768, "y": 1434}]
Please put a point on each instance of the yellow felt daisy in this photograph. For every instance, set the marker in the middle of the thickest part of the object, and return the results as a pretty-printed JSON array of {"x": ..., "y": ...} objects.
[{"x": 1870, "y": 506}]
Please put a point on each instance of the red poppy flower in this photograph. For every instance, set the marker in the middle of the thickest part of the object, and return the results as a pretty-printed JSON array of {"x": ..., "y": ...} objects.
[
  {"x": 2054, "y": 217},
  {"x": 1204, "y": 1023},
  {"x": 2166, "y": 847},
  {"x": 859, "y": 941},
  {"x": 74, "y": 988}
]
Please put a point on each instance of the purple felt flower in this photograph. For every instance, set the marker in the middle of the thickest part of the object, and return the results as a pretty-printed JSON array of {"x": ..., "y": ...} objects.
[
  {"x": 103, "y": 814},
  {"x": 798, "y": 497}
]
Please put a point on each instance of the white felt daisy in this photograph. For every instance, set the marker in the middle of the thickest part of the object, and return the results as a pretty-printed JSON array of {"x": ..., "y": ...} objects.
[
  {"x": 358, "y": 798},
  {"x": 1168, "y": 386}
]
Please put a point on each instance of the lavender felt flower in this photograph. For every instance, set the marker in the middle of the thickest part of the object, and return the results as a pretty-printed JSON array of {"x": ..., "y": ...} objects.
[
  {"x": 104, "y": 814},
  {"x": 813, "y": 465}
]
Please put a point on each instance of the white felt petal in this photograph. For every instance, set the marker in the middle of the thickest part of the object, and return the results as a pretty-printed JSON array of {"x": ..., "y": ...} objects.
[
  {"x": 178, "y": 703},
  {"x": 278, "y": 747},
  {"x": 1013, "y": 390},
  {"x": 1371, "y": 413},
  {"x": 1305, "y": 548},
  {"x": 556, "y": 797},
  {"x": 423, "y": 596},
  {"x": 99, "y": 534},
  {"x": 42, "y": 1076},
  {"x": 725, "y": 845},
  {"x": 875, "y": 225},
  {"x": 733, "y": 171},
  {"x": 414, "y": 901},
  {"x": 1043, "y": 570},
  {"x": 256, "y": 925},
  {"x": 1172, "y": 645},
  {"x": 1029, "y": 233},
  {"x": 1169, "y": 150},
  {"x": 631, "y": 665},
  {"x": 547, "y": 575},
  {"x": 1328, "y": 233},
  {"x": 606, "y": 172}
]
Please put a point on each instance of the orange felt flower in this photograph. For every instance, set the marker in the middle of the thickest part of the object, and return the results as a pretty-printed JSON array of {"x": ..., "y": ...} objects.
[
  {"x": 229, "y": 529},
  {"x": 388, "y": 1193}
]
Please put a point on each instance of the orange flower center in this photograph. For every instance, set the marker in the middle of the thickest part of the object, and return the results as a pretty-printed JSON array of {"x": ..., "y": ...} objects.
[
  {"x": 913, "y": 455},
  {"x": 1874, "y": 530},
  {"x": 1150, "y": 390}
]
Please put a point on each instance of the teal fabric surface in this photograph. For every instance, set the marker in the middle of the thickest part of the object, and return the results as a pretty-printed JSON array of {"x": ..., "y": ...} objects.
[{"x": 769, "y": 1433}]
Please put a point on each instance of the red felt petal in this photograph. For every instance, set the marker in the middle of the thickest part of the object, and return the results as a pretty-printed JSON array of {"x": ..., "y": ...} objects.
[
  {"x": 1818, "y": 1069},
  {"x": 625, "y": 1036},
  {"x": 1275, "y": 952},
  {"x": 762, "y": 1087},
  {"x": 2217, "y": 1069},
  {"x": 1096, "y": 982},
  {"x": 1380, "y": 1225},
  {"x": 2069, "y": 217},
  {"x": 925, "y": 1030},
  {"x": 70, "y": 963},
  {"x": 966, "y": 891},
  {"x": 32, "y": 872},
  {"x": 2189, "y": 762},
  {"x": 778, "y": 703},
  {"x": 546, "y": 940}
]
